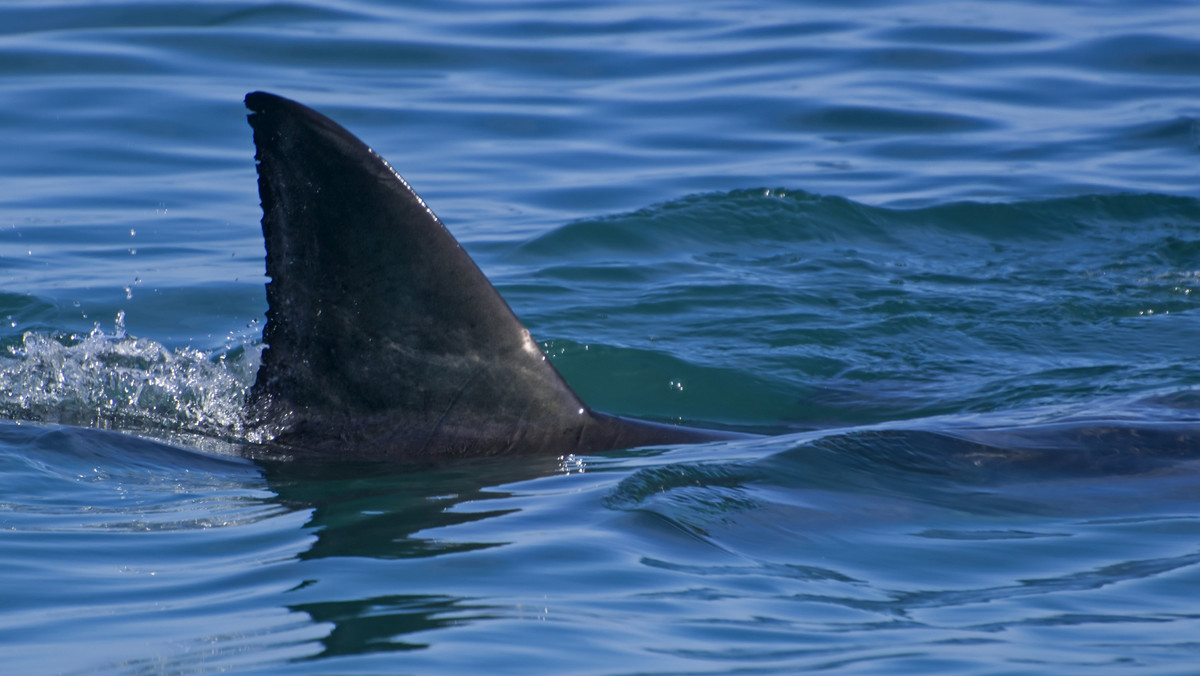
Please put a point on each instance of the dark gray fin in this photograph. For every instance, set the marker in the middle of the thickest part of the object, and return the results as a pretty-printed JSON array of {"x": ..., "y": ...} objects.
[{"x": 383, "y": 338}]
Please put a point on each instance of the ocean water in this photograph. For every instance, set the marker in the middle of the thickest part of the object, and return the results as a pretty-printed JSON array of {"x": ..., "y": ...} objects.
[{"x": 944, "y": 257}]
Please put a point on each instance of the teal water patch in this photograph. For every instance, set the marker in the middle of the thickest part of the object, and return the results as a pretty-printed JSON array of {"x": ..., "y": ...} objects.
[{"x": 833, "y": 311}]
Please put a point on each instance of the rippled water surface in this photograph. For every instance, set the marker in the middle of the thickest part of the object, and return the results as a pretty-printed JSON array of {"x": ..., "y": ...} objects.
[{"x": 944, "y": 256}]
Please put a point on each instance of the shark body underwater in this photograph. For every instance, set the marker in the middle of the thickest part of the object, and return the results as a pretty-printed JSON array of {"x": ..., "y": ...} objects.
[{"x": 383, "y": 339}]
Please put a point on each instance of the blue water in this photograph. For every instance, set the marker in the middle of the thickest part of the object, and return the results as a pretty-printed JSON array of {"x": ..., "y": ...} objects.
[{"x": 946, "y": 256}]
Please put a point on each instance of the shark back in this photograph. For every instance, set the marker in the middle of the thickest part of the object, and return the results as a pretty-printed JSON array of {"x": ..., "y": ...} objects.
[{"x": 383, "y": 338}]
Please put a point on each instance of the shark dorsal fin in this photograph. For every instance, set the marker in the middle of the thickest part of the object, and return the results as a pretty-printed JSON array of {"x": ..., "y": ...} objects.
[
  {"x": 384, "y": 340},
  {"x": 380, "y": 327}
]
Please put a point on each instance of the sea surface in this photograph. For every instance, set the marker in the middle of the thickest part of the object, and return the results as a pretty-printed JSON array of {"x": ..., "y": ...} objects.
[{"x": 943, "y": 256}]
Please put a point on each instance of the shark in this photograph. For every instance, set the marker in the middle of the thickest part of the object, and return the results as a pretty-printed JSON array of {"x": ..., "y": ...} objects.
[{"x": 384, "y": 341}]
